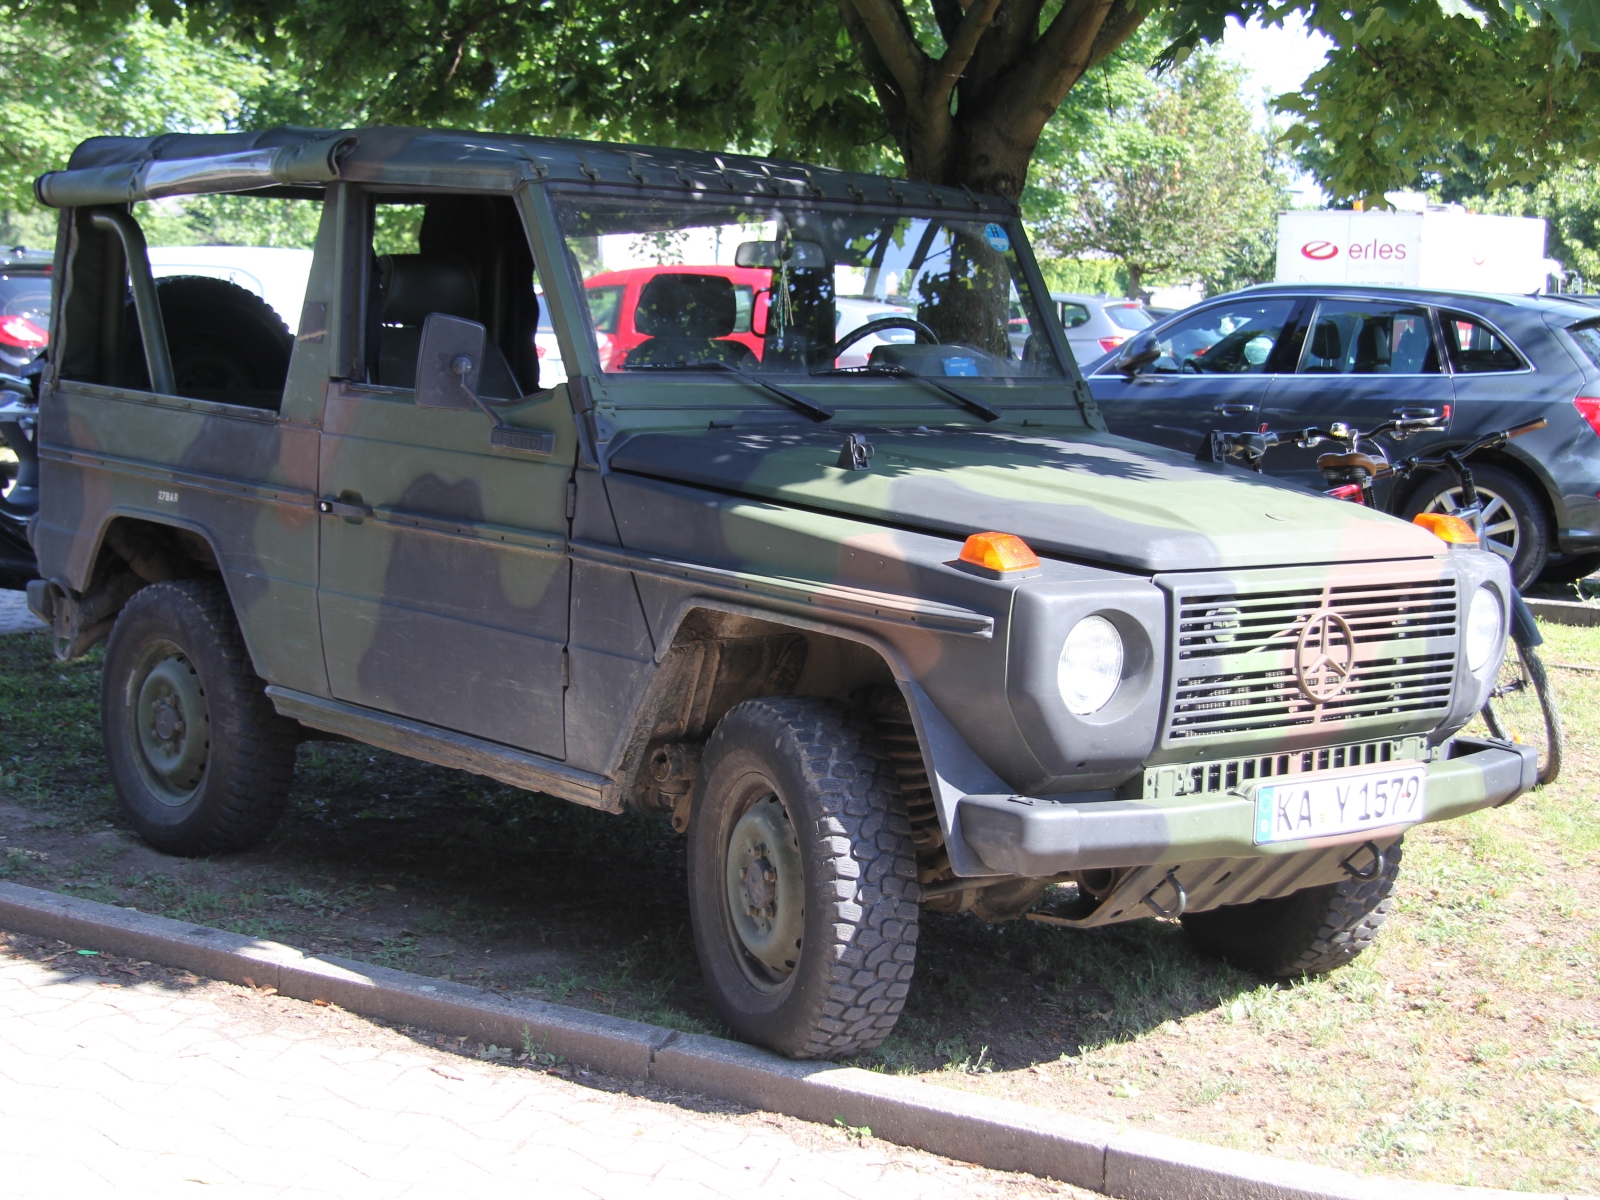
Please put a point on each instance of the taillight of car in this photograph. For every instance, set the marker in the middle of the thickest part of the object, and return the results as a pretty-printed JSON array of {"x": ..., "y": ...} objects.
[
  {"x": 538, "y": 350},
  {"x": 1108, "y": 344},
  {"x": 19, "y": 331},
  {"x": 1589, "y": 409}
]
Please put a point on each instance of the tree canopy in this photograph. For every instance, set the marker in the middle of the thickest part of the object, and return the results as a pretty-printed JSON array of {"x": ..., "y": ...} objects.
[
  {"x": 1179, "y": 185},
  {"x": 958, "y": 91}
]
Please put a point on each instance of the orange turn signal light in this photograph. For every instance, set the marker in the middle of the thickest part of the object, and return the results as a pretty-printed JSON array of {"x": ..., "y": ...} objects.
[
  {"x": 1447, "y": 528},
  {"x": 999, "y": 552}
]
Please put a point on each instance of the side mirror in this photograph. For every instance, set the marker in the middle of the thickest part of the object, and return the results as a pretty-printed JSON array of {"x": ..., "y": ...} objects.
[
  {"x": 450, "y": 362},
  {"x": 1139, "y": 355}
]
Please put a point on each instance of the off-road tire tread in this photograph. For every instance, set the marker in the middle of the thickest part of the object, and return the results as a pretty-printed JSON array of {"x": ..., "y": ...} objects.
[
  {"x": 257, "y": 745},
  {"x": 864, "y": 833},
  {"x": 1310, "y": 932}
]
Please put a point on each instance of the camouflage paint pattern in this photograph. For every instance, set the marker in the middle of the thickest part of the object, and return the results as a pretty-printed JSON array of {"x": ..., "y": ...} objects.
[{"x": 556, "y": 606}]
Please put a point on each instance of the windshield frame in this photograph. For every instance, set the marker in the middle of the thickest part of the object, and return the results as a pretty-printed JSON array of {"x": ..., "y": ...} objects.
[{"x": 619, "y": 389}]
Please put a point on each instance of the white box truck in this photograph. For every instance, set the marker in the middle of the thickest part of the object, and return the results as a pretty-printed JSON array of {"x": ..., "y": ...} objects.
[{"x": 1444, "y": 248}]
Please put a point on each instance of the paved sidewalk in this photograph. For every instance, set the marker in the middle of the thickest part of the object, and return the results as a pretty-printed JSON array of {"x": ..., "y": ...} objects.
[
  {"x": 124, "y": 1076},
  {"x": 14, "y": 614}
]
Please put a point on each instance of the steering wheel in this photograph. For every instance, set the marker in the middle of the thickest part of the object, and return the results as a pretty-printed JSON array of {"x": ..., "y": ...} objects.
[{"x": 871, "y": 327}]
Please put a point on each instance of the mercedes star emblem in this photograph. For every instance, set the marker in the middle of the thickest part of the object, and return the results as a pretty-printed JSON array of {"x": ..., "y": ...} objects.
[{"x": 1324, "y": 655}]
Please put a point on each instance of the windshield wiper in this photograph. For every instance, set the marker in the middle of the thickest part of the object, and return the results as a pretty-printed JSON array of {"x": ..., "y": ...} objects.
[
  {"x": 967, "y": 401},
  {"x": 817, "y": 412}
]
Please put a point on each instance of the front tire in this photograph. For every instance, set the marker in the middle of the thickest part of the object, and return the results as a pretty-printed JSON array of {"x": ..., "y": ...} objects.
[
  {"x": 802, "y": 879},
  {"x": 201, "y": 761},
  {"x": 1310, "y": 932}
]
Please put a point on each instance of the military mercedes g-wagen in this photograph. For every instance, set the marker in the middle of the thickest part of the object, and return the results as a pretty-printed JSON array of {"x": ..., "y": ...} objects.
[{"x": 818, "y": 544}]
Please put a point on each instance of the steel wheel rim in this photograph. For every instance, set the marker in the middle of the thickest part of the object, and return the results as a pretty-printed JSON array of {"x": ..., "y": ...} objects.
[
  {"x": 170, "y": 723},
  {"x": 1502, "y": 531},
  {"x": 764, "y": 888}
]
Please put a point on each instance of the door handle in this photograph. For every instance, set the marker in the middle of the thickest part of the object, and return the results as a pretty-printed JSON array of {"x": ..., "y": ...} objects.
[
  {"x": 348, "y": 505},
  {"x": 1414, "y": 412},
  {"x": 1236, "y": 410}
]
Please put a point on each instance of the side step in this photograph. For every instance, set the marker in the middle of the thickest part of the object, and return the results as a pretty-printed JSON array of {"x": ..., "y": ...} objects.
[{"x": 446, "y": 748}]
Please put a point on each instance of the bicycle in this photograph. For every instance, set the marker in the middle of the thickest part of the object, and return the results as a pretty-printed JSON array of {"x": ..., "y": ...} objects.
[{"x": 1521, "y": 706}]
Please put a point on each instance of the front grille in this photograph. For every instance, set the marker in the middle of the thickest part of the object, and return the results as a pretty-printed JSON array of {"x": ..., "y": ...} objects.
[
  {"x": 1234, "y": 648},
  {"x": 1219, "y": 776}
]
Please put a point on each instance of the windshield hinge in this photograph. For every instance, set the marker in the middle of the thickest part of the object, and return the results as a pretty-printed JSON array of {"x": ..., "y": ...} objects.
[
  {"x": 566, "y": 668},
  {"x": 572, "y": 498}
]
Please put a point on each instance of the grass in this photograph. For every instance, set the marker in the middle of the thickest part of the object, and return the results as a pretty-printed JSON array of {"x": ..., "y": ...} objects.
[{"x": 1465, "y": 1048}]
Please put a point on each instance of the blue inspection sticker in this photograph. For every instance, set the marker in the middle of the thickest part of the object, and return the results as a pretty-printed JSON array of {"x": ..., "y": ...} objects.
[
  {"x": 961, "y": 366},
  {"x": 997, "y": 237}
]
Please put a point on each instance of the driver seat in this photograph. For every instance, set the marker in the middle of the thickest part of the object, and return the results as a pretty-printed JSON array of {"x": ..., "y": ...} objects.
[{"x": 688, "y": 319}]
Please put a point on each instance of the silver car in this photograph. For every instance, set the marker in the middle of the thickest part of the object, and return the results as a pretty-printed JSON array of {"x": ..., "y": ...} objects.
[{"x": 1097, "y": 325}]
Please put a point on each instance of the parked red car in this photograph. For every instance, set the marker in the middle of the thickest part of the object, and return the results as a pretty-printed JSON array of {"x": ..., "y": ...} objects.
[{"x": 614, "y": 296}]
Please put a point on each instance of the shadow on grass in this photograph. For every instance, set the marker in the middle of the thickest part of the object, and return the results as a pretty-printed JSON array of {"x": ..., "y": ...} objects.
[{"x": 580, "y": 906}]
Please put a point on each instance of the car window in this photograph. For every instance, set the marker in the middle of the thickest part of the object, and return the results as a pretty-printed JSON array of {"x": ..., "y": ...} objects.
[
  {"x": 1073, "y": 315},
  {"x": 1587, "y": 336},
  {"x": 744, "y": 307},
  {"x": 605, "y": 307},
  {"x": 1129, "y": 316},
  {"x": 1229, "y": 339},
  {"x": 1475, "y": 349},
  {"x": 1358, "y": 337}
]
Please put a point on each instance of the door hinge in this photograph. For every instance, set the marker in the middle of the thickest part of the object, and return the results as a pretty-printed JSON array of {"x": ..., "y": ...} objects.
[
  {"x": 566, "y": 668},
  {"x": 572, "y": 498}
]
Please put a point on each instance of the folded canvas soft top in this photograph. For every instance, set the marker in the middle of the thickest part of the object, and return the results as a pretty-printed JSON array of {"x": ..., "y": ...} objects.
[{"x": 120, "y": 170}]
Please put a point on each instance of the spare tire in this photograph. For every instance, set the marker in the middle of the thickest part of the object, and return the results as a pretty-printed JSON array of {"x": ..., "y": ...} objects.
[{"x": 222, "y": 339}]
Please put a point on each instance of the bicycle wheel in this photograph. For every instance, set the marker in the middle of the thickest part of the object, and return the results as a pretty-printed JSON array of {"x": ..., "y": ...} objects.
[{"x": 1522, "y": 708}]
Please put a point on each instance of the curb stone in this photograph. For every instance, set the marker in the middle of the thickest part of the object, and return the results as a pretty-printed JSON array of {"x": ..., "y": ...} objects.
[
  {"x": 995, "y": 1133},
  {"x": 1565, "y": 612}
]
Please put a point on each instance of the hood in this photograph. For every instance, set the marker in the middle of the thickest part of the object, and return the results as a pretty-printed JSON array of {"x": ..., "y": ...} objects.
[{"x": 1095, "y": 497}]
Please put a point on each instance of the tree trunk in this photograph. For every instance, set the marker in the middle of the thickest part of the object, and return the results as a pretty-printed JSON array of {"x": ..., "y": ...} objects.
[
  {"x": 973, "y": 117},
  {"x": 1135, "y": 280}
]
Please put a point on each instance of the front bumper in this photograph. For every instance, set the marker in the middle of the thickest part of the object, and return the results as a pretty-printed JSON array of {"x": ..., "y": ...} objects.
[{"x": 1021, "y": 835}]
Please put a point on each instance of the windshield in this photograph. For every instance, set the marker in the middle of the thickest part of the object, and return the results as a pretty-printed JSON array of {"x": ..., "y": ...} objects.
[{"x": 783, "y": 288}]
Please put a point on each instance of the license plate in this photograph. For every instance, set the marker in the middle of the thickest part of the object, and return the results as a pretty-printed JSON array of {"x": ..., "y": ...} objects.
[{"x": 1316, "y": 806}]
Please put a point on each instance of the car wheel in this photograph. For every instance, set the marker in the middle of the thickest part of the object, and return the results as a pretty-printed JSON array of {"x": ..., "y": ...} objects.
[
  {"x": 201, "y": 761},
  {"x": 1514, "y": 521},
  {"x": 802, "y": 878},
  {"x": 1307, "y": 933}
]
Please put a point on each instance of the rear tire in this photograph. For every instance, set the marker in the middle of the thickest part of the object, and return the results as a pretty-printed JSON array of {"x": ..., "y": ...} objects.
[
  {"x": 201, "y": 761},
  {"x": 1308, "y": 933},
  {"x": 802, "y": 879}
]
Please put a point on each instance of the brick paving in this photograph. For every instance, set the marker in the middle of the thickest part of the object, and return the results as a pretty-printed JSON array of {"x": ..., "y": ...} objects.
[{"x": 133, "y": 1077}]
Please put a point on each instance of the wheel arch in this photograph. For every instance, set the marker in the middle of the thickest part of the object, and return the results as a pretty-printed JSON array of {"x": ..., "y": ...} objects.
[
  {"x": 716, "y": 654},
  {"x": 129, "y": 550},
  {"x": 841, "y": 662}
]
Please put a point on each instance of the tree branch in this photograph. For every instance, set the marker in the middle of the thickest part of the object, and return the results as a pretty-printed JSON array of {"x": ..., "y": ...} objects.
[
  {"x": 890, "y": 30},
  {"x": 1124, "y": 17},
  {"x": 958, "y": 52}
]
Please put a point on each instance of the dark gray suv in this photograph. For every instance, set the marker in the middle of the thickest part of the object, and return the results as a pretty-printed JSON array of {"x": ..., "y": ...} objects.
[{"x": 1287, "y": 356}]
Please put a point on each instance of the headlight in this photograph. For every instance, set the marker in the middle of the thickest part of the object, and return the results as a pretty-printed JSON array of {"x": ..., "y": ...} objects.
[
  {"x": 1484, "y": 629},
  {"x": 1091, "y": 665}
]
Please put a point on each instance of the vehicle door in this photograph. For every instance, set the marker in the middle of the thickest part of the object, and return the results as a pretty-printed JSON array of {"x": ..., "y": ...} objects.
[
  {"x": 1363, "y": 362},
  {"x": 1212, "y": 373},
  {"x": 444, "y": 573}
]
